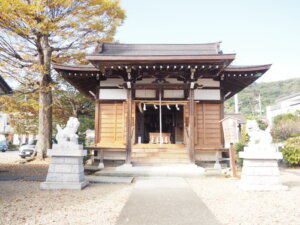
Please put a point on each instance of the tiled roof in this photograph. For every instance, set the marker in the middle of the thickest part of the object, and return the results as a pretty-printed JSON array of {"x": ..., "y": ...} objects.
[
  {"x": 111, "y": 49},
  {"x": 237, "y": 116}
]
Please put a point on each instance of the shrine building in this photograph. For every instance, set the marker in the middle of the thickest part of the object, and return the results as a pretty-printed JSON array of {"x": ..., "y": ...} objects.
[{"x": 160, "y": 103}]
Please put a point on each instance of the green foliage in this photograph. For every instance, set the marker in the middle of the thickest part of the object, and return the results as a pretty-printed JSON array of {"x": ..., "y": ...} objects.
[
  {"x": 291, "y": 151},
  {"x": 245, "y": 137},
  {"x": 23, "y": 110},
  {"x": 86, "y": 122},
  {"x": 269, "y": 91},
  {"x": 262, "y": 124},
  {"x": 285, "y": 126},
  {"x": 239, "y": 146},
  {"x": 284, "y": 117},
  {"x": 81, "y": 139}
]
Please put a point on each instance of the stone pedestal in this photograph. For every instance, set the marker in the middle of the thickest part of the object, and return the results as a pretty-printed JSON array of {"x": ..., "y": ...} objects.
[
  {"x": 260, "y": 171},
  {"x": 66, "y": 170}
]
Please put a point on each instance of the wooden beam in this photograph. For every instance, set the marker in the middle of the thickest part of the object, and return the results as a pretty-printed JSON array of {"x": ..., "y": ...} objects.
[
  {"x": 160, "y": 86},
  {"x": 128, "y": 126},
  {"x": 191, "y": 126}
]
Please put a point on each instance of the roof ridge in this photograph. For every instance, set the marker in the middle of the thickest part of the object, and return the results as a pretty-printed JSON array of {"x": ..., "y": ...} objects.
[{"x": 115, "y": 43}]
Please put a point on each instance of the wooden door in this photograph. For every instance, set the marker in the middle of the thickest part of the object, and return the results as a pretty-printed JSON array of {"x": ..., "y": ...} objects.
[
  {"x": 112, "y": 124},
  {"x": 209, "y": 133}
]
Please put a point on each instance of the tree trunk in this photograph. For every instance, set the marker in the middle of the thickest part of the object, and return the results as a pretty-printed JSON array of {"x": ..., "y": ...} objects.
[
  {"x": 45, "y": 101},
  {"x": 45, "y": 123}
]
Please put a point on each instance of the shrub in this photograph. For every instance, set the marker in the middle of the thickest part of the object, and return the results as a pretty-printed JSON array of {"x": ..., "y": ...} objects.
[
  {"x": 291, "y": 151},
  {"x": 244, "y": 135},
  {"x": 262, "y": 124},
  {"x": 285, "y": 117},
  {"x": 239, "y": 147},
  {"x": 285, "y": 126}
]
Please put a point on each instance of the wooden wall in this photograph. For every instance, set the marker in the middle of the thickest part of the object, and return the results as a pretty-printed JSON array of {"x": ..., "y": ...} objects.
[
  {"x": 208, "y": 126},
  {"x": 112, "y": 124}
]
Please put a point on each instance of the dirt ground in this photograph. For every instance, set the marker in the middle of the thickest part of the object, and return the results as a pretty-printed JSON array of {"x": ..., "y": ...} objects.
[
  {"x": 233, "y": 206},
  {"x": 22, "y": 202},
  {"x": 30, "y": 169},
  {"x": 10, "y": 165}
]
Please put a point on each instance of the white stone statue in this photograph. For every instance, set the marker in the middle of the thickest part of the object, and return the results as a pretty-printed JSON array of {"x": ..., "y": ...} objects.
[
  {"x": 68, "y": 134},
  {"x": 259, "y": 139},
  {"x": 66, "y": 170},
  {"x": 260, "y": 168}
]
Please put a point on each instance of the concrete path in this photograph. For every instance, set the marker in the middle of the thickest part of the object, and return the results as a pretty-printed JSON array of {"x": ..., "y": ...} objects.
[
  {"x": 153, "y": 171},
  {"x": 165, "y": 201}
]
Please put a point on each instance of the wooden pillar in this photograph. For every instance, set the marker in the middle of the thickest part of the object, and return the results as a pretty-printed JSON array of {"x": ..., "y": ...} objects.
[
  {"x": 128, "y": 126},
  {"x": 97, "y": 117},
  {"x": 222, "y": 117},
  {"x": 192, "y": 126},
  {"x": 232, "y": 160}
]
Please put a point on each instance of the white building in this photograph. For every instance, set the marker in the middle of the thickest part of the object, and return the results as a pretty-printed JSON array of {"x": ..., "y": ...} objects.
[
  {"x": 5, "y": 89},
  {"x": 288, "y": 104},
  {"x": 4, "y": 124}
]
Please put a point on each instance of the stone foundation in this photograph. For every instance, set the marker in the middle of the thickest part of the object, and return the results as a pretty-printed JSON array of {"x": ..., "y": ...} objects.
[
  {"x": 66, "y": 170},
  {"x": 260, "y": 171}
]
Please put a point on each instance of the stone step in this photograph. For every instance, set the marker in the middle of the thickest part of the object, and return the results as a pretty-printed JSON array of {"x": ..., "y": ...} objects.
[
  {"x": 159, "y": 160},
  {"x": 146, "y": 150},
  {"x": 160, "y": 155}
]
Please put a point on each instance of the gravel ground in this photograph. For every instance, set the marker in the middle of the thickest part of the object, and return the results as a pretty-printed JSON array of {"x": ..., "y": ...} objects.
[
  {"x": 9, "y": 156},
  {"x": 22, "y": 202},
  {"x": 233, "y": 206},
  {"x": 28, "y": 169},
  {"x": 25, "y": 203}
]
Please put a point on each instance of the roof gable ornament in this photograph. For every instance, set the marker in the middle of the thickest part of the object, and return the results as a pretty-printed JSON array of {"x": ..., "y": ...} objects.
[{"x": 99, "y": 48}]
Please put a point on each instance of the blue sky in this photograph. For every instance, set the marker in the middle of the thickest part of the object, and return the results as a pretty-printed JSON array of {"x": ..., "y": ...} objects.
[{"x": 259, "y": 32}]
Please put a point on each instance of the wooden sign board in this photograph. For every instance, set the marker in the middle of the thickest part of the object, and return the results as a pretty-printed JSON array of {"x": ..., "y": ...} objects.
[{"x": 230, "y": 130}]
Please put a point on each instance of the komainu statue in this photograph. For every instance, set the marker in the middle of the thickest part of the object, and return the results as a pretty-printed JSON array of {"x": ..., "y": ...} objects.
[
  {"x": 68, "y": 134},
  {"x": 259, "y": 139}
]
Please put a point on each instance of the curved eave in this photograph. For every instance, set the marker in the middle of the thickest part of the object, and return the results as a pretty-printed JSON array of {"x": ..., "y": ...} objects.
[
  {"x": 83, "y": 78},
  {"x": 235, "y": 78},
  {"x": 162, "y": 58},
  {"x": 247, "y": 68},
  {"x": 60, "y": 67}
]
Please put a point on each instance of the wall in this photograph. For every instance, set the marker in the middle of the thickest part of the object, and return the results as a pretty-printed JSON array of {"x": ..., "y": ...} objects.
[
  {"x": 208, "y": 125},
  {"x": 289, "y": 105}
]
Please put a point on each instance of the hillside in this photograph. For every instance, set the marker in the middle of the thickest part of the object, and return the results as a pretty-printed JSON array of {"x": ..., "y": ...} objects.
[{"x": 269, "y": 91}]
